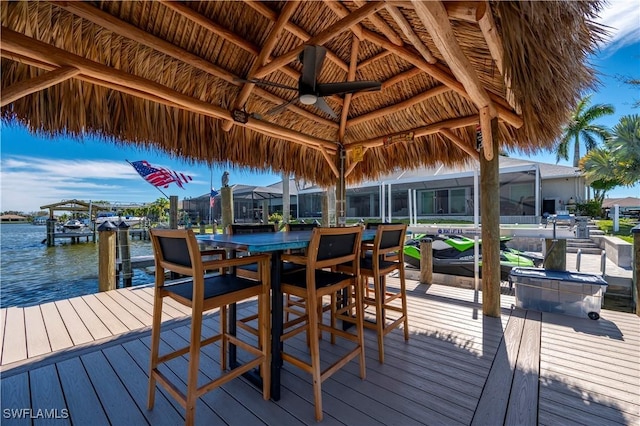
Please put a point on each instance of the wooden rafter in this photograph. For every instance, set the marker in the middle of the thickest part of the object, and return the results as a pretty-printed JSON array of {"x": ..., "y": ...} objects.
[
  {"x": 330, "y": 161},
  {"x": 14, "y": 42},
  {"x": 411, "y": 72},
  {"x": 265, "y": 11},
  {"x": 35, "y": 84},
  {"x": 265, "y": 53},
  {"x": 341, "y": 11},
  {"x": 435, "y": 91},
  {"x": 322, "y": 37},
  {"x": 459, "y": 143},
  {"x": 374, "y": 58},
  {"x": 436, "y": 21},
  {"x": 485, "y": 126},
  {"x": 382, "y": 26},
  {"x": 355, "y": 49},
  {"x": 406, "y": 28},
  {"x": 454, "y": 123},
  {"x": 443, "y": 75},
  {"x": 105, "y": 20}
]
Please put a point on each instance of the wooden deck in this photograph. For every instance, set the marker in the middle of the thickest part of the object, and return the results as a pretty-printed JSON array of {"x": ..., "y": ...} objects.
[{"x": 85, "y": 360}]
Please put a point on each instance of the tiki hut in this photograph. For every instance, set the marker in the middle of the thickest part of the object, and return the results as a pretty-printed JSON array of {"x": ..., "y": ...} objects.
[{"x": 251, "y": 82}]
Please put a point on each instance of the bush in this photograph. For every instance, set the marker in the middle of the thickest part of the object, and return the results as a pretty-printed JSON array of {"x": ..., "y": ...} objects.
[
  {"x": 591, "y": 208},
  {"x": 275, "y": 217}
]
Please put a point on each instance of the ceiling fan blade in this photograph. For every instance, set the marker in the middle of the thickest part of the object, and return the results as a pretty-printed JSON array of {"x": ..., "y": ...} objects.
[
  {"x": 280, "y": 107},
  {"x": 327, "y": 89},
  {"x": 312, "y": 59},
  {"x": 264, "y": 83},
  {"x": 323, "y": 106}
]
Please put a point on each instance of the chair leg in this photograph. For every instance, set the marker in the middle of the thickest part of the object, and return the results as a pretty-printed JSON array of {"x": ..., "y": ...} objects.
[
  {"x": 380, "y": 315},
  {"x": 360, "y": 324},
  {"x": 403, "y": 291},
  {"x": 155, "y": 347},
  {"x": 194, "y": 364},
  {"x": 314, "y": 347}
]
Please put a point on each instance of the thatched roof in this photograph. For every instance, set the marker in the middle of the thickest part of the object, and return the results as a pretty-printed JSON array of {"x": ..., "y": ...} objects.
[{"x": 164, "y": 75}]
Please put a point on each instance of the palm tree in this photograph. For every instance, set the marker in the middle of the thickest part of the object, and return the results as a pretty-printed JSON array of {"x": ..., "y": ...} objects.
[
  {"x": 618, "y": 163},
  {"x": 625, "y": 147},
  {"x": 581, "y": 126}
]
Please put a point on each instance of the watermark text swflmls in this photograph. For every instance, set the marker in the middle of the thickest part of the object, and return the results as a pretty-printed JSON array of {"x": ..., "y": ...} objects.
[{"x": 33, "y": 413}]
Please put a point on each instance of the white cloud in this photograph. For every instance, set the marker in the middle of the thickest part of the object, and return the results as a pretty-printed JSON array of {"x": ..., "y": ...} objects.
[
  {"x": 623, "y": 19},
  {"x": 30, "y": 182}
]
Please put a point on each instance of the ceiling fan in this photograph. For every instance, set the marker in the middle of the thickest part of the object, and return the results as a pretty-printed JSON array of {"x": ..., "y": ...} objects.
[{"x": 310, "y": 92}]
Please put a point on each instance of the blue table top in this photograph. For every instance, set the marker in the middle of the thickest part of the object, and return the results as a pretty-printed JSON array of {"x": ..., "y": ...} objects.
[{"x": 268, "y": 241}]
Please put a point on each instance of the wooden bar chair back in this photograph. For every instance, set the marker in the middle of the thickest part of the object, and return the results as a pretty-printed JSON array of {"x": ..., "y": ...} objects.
[
  {"x": 328, "y": 248},
  {"x": 176, "y": 250},
  {"x": 384, "y": 257},
  {"x": 294, "y": 305}
]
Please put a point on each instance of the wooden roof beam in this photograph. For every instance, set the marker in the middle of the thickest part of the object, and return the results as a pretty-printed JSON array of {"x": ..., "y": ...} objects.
[
  {"x": 190, "y": 14},
  {"x": 435, "y": 19},
  {"x": 382, "y": 26},
  {"x": 442, "y": 74},
  {"x": 460, "y": 143},
  {"x": 435, "y": 91},
  {"x": 35, "y": 84},
  {"x": 355, "y": 49},
  {"x": 405, "y": 75},
  {"x": 265, "y": 53},
  {"x": 374, "y": 58},
  {"x": 406, "y": 28},
  {"x": 99, "y": 17},
  {"x": 330, "y": 162},
  {"x": 19, "y": 44},
  {"x": 454, "y": 123},
  {"x": 265, "y": 11},
  {"x": 322, "y": 37},
  {"x": 341, "y": 11}
]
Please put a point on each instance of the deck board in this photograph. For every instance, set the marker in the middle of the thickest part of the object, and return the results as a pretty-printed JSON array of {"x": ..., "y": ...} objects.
[
  {"x": 442, "y": 375},
  {"x": 14, "y": 347},
  {"x": 79, "y": 332},
  {"x": 36, "y": 332},
  {"x": 15, "y": 397},
  {"x": 57, "y": 330},
  {"x": 90, "y": 319},
  {"x": 46, "y": 395},
  {"x": 82, "y": 400}
]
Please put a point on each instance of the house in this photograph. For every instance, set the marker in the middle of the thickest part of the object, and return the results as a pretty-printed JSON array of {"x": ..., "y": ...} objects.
[{"x": 528, "y": 190}]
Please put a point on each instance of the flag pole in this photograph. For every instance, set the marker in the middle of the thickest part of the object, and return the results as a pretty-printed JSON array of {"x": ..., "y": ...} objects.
[
  {"x": 210, "y": 189},
  {"x": 165, "y": 195}
]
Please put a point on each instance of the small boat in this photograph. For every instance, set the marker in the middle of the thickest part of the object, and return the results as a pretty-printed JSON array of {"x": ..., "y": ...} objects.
[
  {"x": 73, "y": 224},
  {"x": 116, "y": 219},
  {"x": 455, "y": 256}
]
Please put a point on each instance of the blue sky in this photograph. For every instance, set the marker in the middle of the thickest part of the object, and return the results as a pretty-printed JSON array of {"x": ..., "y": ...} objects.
[{"x": 36, "y": 171}]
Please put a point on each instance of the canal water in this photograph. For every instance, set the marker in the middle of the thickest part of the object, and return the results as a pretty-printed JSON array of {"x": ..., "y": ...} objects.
[{"x": 32, "y": 273}]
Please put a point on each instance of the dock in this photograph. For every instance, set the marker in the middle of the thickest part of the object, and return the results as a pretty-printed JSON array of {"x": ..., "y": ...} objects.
[{"x": 89, "y": 355}]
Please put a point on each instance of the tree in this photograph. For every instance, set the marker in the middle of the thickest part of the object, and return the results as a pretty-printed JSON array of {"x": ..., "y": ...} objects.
[
  {"x": 618, "y": 163},
  {"x": 581, "y": 127}
]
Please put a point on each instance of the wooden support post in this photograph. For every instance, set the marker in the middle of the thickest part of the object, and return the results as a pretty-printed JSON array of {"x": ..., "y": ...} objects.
[
  {"x": 636, "y": 267},
  {"x": 125, "y": 254},
  {"x": 173, "y": 212},
  {"x": 286, "y": 199},
  {"x": 51, "y": 232},
  {"x": 202, "y": 227},
  {"x": 490, "y": 217},
  {"x": 106, "y": 257},
  {"x": 555, "y": 258},
  {"x": 226, "y": 194},
  {"x": 426, "y": 261}
]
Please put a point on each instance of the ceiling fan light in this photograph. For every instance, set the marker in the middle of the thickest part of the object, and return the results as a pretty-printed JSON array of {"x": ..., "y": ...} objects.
[{"x": 308, "y": 99}]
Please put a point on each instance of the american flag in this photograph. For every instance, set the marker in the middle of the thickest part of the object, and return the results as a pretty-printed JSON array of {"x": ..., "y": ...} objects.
[
  {"x": 212, "y": 197},
  {"x": 158, "y": 176}
]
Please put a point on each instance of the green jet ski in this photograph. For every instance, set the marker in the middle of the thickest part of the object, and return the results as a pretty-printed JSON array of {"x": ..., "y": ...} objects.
[{"x": 454, "y": 255}]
